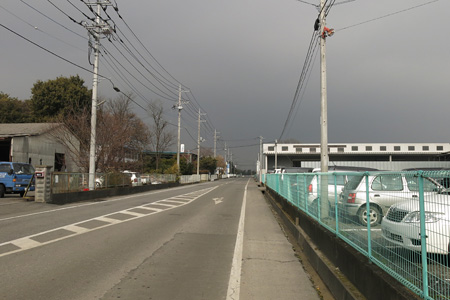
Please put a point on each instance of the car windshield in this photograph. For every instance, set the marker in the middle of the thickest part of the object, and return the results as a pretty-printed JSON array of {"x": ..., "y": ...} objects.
[
  {"x": 340, "y": 179},
  {"x": 23, "y": 169},
  {"x": 429, "y": 185}
]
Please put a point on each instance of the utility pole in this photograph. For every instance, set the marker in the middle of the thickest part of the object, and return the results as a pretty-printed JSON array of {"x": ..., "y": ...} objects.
[
  {"x": 260, "y": 157},
  {"x": 323, "y": 103},
  {"x": 324, "y": 206},
  {"x": 179, "y": 107},
  {"x": 215, "y": 142},
  {"x": 276, "y": 155},
  {"x": 199, "y": 140},
  {"x": 226, "y": 165},
  {"x": 95, "y": 30}
]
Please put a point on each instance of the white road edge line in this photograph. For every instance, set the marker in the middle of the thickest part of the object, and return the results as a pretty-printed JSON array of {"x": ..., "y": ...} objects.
[{"x": 234, "y": 284}]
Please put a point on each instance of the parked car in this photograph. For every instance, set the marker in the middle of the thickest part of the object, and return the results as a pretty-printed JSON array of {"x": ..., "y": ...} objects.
[
  {"x": 401, "y": 225},
  {"x": 135, "y": 177},
  {"x": 385, "y": 189},
  {"x": 99, "y": 181},
  {"x": 15, "y": 178},
  {"x": 334, "y": 179}
]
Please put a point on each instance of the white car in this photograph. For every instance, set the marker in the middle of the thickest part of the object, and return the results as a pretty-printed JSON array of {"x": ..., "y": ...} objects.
[
  {"x": 401, "y": 225},
  {"x": 385, "y": 189},
  {"x": 135, "y": 178},
  {"x": 339, "y": 176}
]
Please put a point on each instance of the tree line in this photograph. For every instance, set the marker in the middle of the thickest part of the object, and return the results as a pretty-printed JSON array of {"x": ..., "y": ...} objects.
[{"x": 123, "y": 140}]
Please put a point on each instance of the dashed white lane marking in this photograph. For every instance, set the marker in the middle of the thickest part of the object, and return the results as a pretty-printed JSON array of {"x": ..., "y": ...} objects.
[
  {"x": 174, "y": 201},
  {"x": 99, "y": 222},
  {"x": 25, "y": 243},
  {"x": 164, "y": 204},
  {"x": 151, "y": 208}
]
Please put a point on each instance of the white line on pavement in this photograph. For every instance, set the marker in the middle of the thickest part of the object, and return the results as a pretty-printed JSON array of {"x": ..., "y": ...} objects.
[
  {"x": 27, "y": 242},
  {"x": 235, "y": 276}
]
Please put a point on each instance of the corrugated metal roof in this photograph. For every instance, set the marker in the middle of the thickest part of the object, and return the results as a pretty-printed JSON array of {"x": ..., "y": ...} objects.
[{"x": 24, "y": 129}]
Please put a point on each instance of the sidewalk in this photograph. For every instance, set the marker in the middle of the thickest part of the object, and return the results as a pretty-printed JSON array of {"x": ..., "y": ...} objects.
[{"x": 270, "y": 269}]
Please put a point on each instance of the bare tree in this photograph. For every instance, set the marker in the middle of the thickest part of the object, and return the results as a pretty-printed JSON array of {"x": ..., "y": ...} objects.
[
  {"x": 120, "y": 140},
  {"x": 73, "y": 131},
  {"x": 160, "y": 137}
]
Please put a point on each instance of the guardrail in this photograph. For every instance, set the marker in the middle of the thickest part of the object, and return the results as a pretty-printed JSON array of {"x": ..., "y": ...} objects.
[{"x": 399, "y": 220}]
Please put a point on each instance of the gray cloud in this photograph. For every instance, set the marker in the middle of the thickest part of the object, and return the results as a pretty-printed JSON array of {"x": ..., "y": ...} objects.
[{"x": 387, "y": 79}]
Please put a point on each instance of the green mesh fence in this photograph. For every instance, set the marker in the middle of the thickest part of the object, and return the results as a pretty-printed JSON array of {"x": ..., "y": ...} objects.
[{"x": 399, "y": 220}]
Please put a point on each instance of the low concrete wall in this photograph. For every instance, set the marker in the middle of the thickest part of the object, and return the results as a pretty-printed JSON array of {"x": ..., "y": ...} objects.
[
  {"x": 65, "y": 198},
  {"x": 341, "y": 267}
]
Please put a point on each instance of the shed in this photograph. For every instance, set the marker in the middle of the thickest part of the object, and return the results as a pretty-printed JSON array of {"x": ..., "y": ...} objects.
[{"x": 33, "y": 143}]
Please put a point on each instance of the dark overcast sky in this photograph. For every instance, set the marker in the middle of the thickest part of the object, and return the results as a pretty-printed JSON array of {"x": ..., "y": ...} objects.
[{"x": 388, "y": 65}]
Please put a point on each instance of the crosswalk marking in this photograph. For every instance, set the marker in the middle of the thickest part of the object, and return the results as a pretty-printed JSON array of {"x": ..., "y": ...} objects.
[{"x": 27, "y": 242}]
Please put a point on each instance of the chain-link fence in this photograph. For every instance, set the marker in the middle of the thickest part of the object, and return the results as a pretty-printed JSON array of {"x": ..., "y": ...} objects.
[
  {"x": 399, "y": 220},
  {"x": 63, "y": 182}
]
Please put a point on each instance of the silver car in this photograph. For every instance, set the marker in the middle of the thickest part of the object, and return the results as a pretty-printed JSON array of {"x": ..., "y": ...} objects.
[
  {"x": 337, "y": 178},
  {"x": 385, "y": 189},
  {"x": 401, "y": 225}
]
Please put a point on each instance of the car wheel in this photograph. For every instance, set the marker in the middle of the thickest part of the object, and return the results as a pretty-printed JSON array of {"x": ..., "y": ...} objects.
[
  {"x": 2, "y": 191},
  {"x": 374, "y": 215},
  {"x": 313, "y": 209}
]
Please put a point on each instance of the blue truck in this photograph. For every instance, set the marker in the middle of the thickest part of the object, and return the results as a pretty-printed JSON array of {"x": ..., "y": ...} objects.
[{"x": 15, "y": 178}]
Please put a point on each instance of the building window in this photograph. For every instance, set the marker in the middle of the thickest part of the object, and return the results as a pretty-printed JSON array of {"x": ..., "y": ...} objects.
[
  {"x": 284, "y": 148},
  {"x": 440, "y": 148},
  {"x": 312, "y": 150},
  {"x": 271, "y": 148},
  {"x": 368, "y": 148},
  {"x": 354, "y": 148},
  {"x": 396, "y": 148},
  {"x": 341, "y": 149},
  {"x": 298, "y": 149},
  {"x": 382, "y": 148},
  {"x": 425, "y": 148},
  {"x": 411, "y": 148}
]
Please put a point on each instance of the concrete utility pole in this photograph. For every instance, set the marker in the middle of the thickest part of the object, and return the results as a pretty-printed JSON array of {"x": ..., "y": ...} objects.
[
  {"x": 276, "y": 155},
  {"x": 199, "y": 140},
  {"x": 260, "y": 157},
  {"x": 179, "y": 107},
  {"x": 323, "y": 83},
  {"x": 324, "y": 204},
  {"x": 215, "y": 142},
  {"x": 95, "y": 30},
  {"x": 226, "y": 169}
]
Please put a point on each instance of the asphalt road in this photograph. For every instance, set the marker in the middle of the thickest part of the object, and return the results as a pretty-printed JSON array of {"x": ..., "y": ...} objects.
[{"x": 190, "y": 242}]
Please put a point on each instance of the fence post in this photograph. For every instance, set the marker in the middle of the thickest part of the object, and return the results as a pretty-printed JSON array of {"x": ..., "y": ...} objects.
[
  {"x": 423, "y": 237},
  {"x": 369, "y": 235},
  {"x": 319, "y": 197},
  {"x": 336, "y": 204},
  {"x": 306, "y": 191}
]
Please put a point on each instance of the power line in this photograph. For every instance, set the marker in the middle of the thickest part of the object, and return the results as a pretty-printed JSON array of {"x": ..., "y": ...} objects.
[
  {"x": 40, "y": 30},
  {"x": 83, "y": 37},
  {"x": 388, "y": 15},
  {"x": 54, "y": 54},
  {"x": 301, "y": 81}
]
